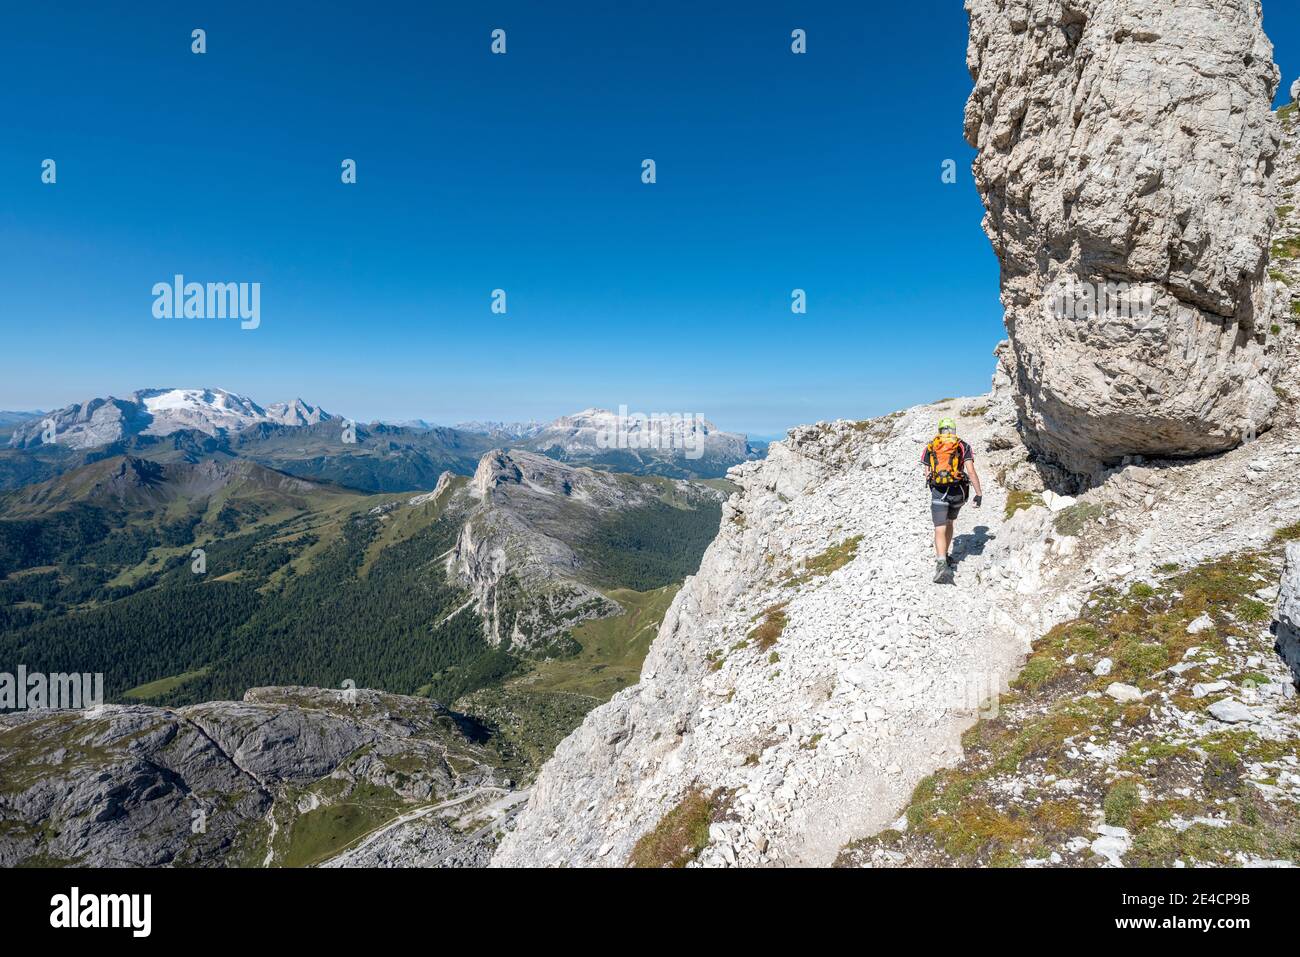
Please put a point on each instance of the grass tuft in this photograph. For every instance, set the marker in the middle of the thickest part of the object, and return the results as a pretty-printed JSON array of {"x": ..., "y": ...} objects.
[
  {"x": 1120, "y": 802},
  {"x": 683, "y": 832},
  {"x": 1287, "y": 248},
  {"x": 831, "y": 560},
  {"x": 1288, "y": 533},
  {"x": 766, "y": 632}
]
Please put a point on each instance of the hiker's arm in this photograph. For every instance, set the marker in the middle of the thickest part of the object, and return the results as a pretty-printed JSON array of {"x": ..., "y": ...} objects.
[{"x": 974, "y": 477}]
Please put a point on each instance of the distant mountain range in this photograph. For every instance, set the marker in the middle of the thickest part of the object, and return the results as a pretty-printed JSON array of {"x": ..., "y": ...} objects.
[
  {"x": 305, "y": 440},
  {"x": 678, "y": 446},
  {"x": 15, "y": 418},
  {"x": 11, "y": 420},
  {"x": 518, "y": 430}
]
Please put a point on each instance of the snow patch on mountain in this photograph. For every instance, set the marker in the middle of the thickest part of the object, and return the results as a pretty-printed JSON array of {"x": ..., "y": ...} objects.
[{"x": 207, "y": 410}]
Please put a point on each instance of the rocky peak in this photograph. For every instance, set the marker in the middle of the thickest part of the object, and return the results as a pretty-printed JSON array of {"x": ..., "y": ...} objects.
[
  {"x": 495, "y": 468},
  {"x": 526, "y": 519},
  {"x": 296, "y": 412},
  {"x": 444, "y": 483}
]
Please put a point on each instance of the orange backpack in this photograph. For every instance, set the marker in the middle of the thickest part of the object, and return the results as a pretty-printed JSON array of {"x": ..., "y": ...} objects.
[{"x": 945, "y": 456}]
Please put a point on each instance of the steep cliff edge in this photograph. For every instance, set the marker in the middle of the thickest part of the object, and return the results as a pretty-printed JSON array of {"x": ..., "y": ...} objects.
[{"x": 1126, "y": 152}]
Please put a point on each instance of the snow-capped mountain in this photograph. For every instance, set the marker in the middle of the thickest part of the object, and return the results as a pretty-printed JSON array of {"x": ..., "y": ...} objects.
[
  {"x": 99, "y": 421},
  {"x": 207, "y": 410}
]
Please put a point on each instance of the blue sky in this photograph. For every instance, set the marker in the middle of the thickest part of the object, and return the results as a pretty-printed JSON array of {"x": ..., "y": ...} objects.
[{"x": 520, "y": 172}]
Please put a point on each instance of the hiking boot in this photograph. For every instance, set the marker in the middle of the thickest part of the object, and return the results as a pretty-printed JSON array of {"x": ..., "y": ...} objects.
[
  {"x": 952, "y": 562},
  {"x": 940, "y": 571}
]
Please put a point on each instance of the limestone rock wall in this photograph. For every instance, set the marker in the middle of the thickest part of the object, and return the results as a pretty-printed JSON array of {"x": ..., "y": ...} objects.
[{"x": 1129, "y": 142}]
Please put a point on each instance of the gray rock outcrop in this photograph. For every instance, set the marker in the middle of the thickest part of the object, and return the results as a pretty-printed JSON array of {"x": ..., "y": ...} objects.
[{"x": 1129, "y": 142}]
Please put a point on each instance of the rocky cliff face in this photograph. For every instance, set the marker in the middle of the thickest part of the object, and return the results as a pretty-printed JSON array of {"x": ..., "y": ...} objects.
[{"x": 1130, "y": 143}]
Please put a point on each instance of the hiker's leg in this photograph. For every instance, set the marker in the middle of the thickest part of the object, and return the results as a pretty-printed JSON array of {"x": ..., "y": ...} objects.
[
  {"x": 939, "y": 515},
  {"x": 947, "y": 537}
]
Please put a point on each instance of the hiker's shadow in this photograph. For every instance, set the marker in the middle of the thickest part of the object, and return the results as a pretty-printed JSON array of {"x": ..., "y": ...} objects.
[{"x": 970, "y": 543}]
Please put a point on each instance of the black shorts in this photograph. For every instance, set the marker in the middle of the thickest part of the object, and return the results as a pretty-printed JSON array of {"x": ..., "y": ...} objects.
[{"x": 946, "y": 501}]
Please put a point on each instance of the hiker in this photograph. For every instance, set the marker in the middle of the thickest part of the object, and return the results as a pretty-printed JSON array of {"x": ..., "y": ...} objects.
[{"x": 950, "y": 470}]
